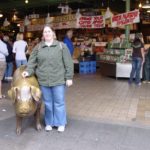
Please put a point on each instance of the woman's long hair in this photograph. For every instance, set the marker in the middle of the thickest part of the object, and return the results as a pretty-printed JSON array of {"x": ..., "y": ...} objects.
[{"x": 137, "y": 42}]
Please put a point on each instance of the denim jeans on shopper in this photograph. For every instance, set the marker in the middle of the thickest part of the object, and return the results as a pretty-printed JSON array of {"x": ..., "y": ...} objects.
[
  {"x": 55, "y": 109},
  {"x": 136, "y": 69},
  {"x": 20, "y": 62},
  {"x": 146, "y": 69},
  {"x": 9, "y": 69}
]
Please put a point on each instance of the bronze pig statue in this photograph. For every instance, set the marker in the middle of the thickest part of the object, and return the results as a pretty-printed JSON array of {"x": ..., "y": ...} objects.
[{"x": 25, "y": 94}]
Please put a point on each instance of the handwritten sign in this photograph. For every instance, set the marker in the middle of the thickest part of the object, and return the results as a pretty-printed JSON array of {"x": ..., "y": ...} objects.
[
  {"x": 63, "y": 25},
  {"x": 90, "y": 22},
  {"x": 126, "y": 18}
]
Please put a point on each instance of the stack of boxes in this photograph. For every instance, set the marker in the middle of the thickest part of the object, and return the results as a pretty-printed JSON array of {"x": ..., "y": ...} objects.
[{"x": 87, "y": 67}]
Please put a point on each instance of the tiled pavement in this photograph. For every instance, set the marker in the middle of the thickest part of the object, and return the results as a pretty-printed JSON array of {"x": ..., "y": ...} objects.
[
  {"x": 104, "y": 98},
  {"x": 103, "y": 114}
]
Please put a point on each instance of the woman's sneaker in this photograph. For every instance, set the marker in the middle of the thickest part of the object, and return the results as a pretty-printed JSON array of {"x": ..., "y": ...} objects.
[
  {"x": 61, "y": 129},
  {"x": 139, "y": 84},
  {"x": 48, "y": 128}
]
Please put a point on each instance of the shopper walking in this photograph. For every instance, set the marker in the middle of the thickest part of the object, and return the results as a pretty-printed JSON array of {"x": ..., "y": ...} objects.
[
  {"x": 9, "y": 59},
  {"x": 51, "y": 62},
  {"x": 3, "y": 54},
  {"x": 137, "y": 59},
  {"x": 146, "y": 67},
  {"x": 67, "y": 40},
  {"x": 20, "y": 48}
]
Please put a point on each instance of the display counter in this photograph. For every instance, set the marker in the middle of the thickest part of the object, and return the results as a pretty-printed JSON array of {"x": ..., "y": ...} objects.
[
  {"x": 118, "y": 70},
  {"x": 123, "y": 70},
  {"x": 107, "y": 68}
]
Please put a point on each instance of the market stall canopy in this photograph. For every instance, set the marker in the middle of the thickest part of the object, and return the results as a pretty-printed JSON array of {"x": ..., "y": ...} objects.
[{"x": 20, "y": 9}]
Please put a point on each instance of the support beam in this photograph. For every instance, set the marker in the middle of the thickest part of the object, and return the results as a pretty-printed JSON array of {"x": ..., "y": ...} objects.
[{"x": 127, "y": 27}]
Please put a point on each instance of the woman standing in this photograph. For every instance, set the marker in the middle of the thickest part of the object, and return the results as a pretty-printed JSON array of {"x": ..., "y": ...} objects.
[
  {"x": 3, "y": 54},
  {"x": 19, "y": 48},
  {"x": 51, "y": 61},
  {"x": 137, "y": 59}
]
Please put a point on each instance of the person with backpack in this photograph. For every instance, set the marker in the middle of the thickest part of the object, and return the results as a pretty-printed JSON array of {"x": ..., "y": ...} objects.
[{"x": 51, "y": 62}]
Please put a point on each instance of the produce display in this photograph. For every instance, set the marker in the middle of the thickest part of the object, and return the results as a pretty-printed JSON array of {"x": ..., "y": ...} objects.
[{"x": 116, "y": 55}]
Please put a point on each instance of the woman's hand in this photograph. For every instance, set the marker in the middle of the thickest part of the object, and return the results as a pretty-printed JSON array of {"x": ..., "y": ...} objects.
[
  {"x": 69, "y": 83},
  {"x": 25, "y": 74}
]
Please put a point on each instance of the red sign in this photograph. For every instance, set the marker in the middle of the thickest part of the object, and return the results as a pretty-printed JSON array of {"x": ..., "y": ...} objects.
[
  {"x": 126, "y": 18},
  {"x": 90, "y": 22}
]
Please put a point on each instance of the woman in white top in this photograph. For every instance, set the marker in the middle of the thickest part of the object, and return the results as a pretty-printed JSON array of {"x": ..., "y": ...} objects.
[{"x": 19, "y": 48}]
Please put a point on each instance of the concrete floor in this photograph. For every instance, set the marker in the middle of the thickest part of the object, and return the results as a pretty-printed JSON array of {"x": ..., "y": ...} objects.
[
  {"x": 103, "y": 114},
  {"x": 104, "y": 98}
]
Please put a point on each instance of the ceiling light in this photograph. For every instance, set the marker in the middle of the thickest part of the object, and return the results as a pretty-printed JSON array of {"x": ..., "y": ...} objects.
[
  {"x": 146, "y": 5},
  {"x": 59, "y": 6},
  {"x": 108, "y": 13},
  {"x": 148, "y": 10},
  {"x": 1, "y": 15},
  {"x": 78, "y": 14},
  {"x": 65, "y": 9},
  {"x": 26, "y": 21},
  {"x": 6, "y": 23},
  {"x": 140, "y": 5},
  {"x": 48, "y": 19},
  {"x": 26, "y": 1},
  {"x": 14, "y": 18}
]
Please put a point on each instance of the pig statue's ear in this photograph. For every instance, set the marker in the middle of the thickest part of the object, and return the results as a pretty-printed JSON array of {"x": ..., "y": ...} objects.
[
  {"x": 36, "y": 93},
  {"x": 12, "y": 93}
]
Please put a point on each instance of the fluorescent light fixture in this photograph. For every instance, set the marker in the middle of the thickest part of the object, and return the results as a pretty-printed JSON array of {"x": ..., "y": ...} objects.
[
  {"x": 146, "y": 5},
  {"x": 148, "y": 11}
]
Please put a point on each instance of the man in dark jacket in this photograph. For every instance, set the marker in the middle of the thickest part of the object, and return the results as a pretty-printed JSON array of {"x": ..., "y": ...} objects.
[{"x": 9, "y": 59}]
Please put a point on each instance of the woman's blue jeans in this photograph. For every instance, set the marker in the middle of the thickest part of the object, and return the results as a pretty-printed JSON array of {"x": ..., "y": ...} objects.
[
  {"x": 20, "y": 62},
  {"x": 55, "y": 109},
  {"x": 146, "y": 69},
  {"x": 136, "y": 69},
  {"x": 9, "y": 69}
]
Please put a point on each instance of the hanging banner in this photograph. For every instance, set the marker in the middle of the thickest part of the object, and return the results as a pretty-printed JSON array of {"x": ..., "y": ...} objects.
[
  {"x": 64, "y": 22},
  {"x": 90, "y": 22},
  {"x": 126, "y": 18},
  {"x": 63, "y": 25}
]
